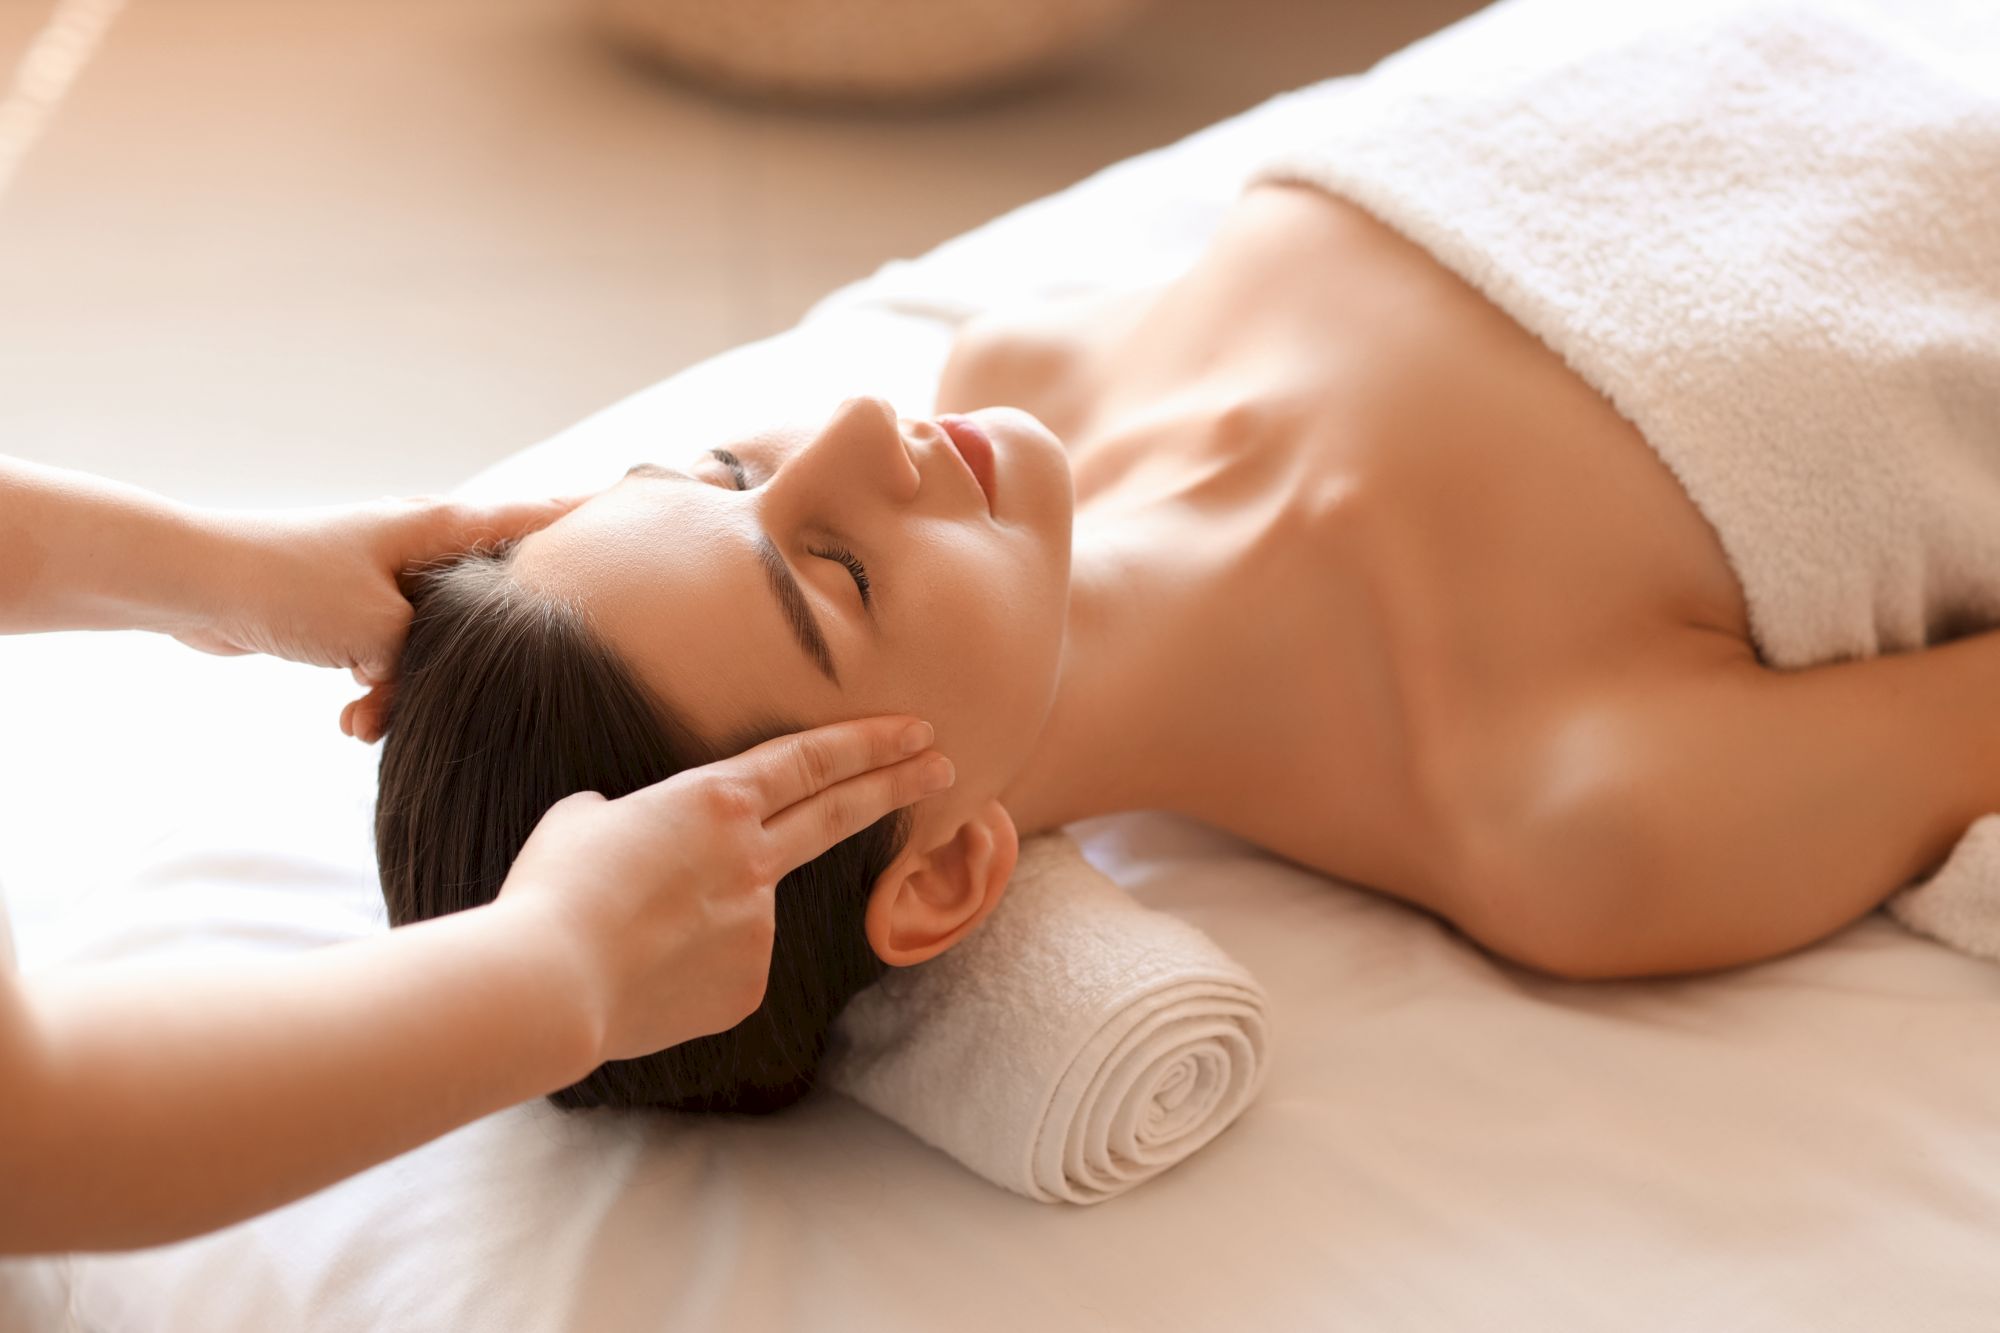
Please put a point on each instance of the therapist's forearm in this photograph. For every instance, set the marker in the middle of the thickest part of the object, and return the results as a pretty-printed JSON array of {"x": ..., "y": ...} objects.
[
  {"x": 81, "y": 552},
  {"x": 155, "y": 1103}
]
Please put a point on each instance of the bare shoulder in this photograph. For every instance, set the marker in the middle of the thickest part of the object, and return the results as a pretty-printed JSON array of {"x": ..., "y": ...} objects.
[{"x": 1510, "y": 755}]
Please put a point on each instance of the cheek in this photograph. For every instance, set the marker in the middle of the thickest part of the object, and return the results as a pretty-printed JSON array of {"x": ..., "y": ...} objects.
[
  {"x": 984, "y": 661},
  {"x": 988, "y": 602}
]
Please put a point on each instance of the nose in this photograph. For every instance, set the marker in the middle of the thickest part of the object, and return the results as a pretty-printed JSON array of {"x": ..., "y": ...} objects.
[{"x": 859, "y": 452}]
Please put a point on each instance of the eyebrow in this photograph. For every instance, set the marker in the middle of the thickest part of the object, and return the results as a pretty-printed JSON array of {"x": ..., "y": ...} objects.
[
  {"x": 797, "y": 610},
  {"x": 784, "y": 584},
  {"x": 655, "y": 470}
]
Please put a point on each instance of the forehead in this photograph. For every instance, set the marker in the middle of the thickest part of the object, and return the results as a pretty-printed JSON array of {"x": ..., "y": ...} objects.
[{"x": 667, "y": 575}]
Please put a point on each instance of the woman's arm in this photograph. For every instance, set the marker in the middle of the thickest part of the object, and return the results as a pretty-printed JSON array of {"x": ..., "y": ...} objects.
[
  {"x": 80, "y": 552},
  {"x": 1707, "y": 811},
  {"x": 144, "y": 1103},
  {"x": 317, "y": 585}
]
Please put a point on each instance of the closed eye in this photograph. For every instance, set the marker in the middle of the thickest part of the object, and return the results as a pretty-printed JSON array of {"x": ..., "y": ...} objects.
[
  {"x": 735, "y": 466},
  {"x": 840, "y": 554},
  {"x": 854, "y": 567}
]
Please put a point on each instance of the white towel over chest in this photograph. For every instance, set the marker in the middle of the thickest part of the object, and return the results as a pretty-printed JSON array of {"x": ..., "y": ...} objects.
[
  {"x": 1768, "y": 231},
  {"x": 1769, "y": 234}
]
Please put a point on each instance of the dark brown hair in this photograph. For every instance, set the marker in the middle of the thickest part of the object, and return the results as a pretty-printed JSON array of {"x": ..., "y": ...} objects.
[{"x": 506, "y": 701}]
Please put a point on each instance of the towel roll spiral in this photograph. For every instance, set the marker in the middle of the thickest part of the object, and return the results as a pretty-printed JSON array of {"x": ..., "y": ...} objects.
[{"x": 1073, "y": 1046}]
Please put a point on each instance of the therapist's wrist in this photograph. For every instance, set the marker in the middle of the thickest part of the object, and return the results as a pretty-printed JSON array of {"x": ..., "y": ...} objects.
[
  {"x": 79, "y": 551},
  {"x": 213, "y": 565},
  {"x": 147, "y": 563},
  {"x": 560, "y": 978},
  {"x": 218, "y": 563}
]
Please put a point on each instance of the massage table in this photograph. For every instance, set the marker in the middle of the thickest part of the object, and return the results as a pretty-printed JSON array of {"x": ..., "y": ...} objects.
[{"x": 1445, "y": 1141}]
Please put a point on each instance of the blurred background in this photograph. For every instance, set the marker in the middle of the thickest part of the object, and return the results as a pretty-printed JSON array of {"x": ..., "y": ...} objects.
[{"x": 294, "y": 251}]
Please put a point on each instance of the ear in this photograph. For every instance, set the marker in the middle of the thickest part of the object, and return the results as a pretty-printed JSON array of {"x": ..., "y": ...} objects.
[{"x": 930, "y": 898}]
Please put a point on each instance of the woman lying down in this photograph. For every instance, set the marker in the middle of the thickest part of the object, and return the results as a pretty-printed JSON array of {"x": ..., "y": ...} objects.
[{"x": 1534, "y": 505}]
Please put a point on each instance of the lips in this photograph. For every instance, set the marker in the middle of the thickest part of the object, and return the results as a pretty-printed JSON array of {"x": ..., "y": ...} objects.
[{"x": 975, "y": 446}]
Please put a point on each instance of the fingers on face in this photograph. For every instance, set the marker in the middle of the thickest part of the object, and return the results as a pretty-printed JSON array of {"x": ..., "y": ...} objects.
[
  {"x": 807, "y": 828},
  {"x": 502, "y": 522},
  {"x": 793, "y": 768}
]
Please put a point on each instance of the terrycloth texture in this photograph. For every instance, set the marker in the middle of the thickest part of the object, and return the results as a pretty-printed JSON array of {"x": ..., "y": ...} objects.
[
  {"x": 1073, "y": 1046},
  {"x": 1769, "y": 234},
  {"x": 1960, "y": 904}
]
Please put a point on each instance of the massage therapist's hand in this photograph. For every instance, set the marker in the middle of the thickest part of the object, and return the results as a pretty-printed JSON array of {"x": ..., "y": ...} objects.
[
  {"x": 319, "y": 585},
  {"x": 664, "y": 898},
  {"x": 315, "y": 585}
]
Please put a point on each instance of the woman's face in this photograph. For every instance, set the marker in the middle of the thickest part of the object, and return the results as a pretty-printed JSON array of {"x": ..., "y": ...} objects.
[{"x": 733, "y": 587}]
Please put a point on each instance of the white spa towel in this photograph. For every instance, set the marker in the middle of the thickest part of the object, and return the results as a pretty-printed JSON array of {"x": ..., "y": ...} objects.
[
  {"x": 1074, "y": 1045},
  {"x": 1769, "y": 233}
]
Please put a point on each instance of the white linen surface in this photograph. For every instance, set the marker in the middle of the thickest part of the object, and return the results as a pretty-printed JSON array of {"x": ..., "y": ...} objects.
[{"x": 1444, "y": 1142}]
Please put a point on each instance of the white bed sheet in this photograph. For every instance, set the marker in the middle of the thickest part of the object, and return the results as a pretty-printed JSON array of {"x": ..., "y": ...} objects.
[{"x": 1445, "y": 1142}]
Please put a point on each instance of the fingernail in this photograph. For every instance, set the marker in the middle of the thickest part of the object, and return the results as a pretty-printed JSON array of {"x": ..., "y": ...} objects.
[
  {"x": 939, "y": 774},
  {"x": 917, "y": 737}
]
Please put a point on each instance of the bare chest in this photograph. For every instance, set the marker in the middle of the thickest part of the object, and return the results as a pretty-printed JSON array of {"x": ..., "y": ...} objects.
[{"x": 1410, "y": 527}]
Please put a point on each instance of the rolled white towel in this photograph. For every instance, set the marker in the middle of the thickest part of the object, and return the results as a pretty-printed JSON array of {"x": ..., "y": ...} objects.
[
  {"x": 1959, "y": 904},
  {"x": 1074, "y": 1045}
]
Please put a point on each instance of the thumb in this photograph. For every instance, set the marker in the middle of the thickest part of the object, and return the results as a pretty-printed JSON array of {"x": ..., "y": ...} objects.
[
  {"x": 375, "y": 670},
  {"x": 502, "y": 520}
]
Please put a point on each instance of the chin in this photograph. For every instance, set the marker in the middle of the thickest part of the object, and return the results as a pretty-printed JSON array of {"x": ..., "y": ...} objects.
[
  {"x": 1037, "y": 466},
  {"x": 1024, "y": 426}
]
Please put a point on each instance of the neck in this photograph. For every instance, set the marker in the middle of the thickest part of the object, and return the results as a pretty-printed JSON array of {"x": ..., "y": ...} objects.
[
  {"x": 1118, "y": 735},
  {"x": 1143, "y": 687}
]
